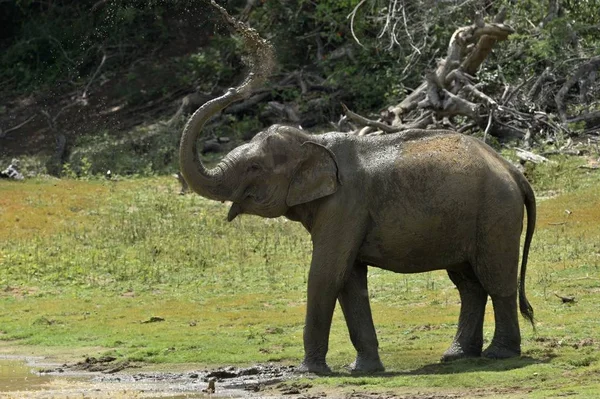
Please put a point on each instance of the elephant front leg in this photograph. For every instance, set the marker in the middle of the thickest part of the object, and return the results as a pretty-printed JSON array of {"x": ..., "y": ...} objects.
[
  {"x": 322, "y": 292},
  {"x": 334, "y": 254},
  {"x": 354, "y": 300}
]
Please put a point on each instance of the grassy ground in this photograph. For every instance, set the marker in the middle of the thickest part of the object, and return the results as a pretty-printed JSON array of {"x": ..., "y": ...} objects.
[{"x": 86, "y": 265}]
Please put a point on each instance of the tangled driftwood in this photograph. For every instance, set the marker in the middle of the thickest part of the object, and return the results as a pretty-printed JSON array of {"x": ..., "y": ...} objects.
[
  {"x": 451, "y": 90},
  {"x": 452, "y": 97},
  {"x": 449, "y": 96}
]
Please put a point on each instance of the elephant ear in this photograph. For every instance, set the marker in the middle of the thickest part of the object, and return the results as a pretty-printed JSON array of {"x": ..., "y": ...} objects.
[{"x": 316, "y": 176}]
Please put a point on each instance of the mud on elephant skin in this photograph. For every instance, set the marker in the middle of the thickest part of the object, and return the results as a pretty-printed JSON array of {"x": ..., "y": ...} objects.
[
  {"x": 412, "y": 202},
  {"x": 409, "y": 202}
]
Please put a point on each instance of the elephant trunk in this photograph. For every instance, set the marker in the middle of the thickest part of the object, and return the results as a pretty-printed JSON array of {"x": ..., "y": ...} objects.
[
  {"x": 209, "y": 183},
  {"x": 218, "y": 183}
]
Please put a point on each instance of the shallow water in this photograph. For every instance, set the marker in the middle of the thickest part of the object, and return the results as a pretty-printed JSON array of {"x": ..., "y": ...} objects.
[
  {"x": 15, "y": 375},
  {"x": 19, "y": 379}
]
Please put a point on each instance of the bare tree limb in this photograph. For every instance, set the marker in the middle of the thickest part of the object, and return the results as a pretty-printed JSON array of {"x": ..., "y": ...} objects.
[
  {"x": 489, "y": 124},
  {"x": 530, "y": 156},
  {"x": 582, "y": 69},
  {"x": 85, "y": 90},
  {"x": 480, "y": 96},
  {"x": 351, "y": 16},
  {"x": 509, "y": 97},
  {"x": 537, "y": 86},
  {"x": 591, "y": 119},
  {"x": 361, "y": 120},
  {"x": 488, "y": 36},
  {"x": 4, "y": 133},
  {"x": 454, "y": 72}
]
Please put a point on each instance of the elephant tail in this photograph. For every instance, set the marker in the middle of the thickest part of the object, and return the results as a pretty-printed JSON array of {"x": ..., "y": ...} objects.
[{"x": 524, "y": 305}]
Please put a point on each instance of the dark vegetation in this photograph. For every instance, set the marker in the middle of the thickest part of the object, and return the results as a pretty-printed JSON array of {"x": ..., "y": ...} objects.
[
  {"x": 86, "y": 265},
  {"x": 91, "y": 85}
]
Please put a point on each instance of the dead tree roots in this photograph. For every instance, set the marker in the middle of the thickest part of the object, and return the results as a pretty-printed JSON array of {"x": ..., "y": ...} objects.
[{"x": 451, "y": 96}]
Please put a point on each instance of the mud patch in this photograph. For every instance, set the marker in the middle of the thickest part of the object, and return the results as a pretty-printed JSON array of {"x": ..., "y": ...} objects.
[
  {"x": 450, "y": 143},
  {"x": 105, "y": 364},
  {"x": 95, "y": 378},
  {"x": 105, "y": 376},
  {"x": 226, "y": 381}
]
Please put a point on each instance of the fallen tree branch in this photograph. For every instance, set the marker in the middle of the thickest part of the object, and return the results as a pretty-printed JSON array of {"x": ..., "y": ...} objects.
[
  {"x": 566, "y": 299},
  {"x": 537, "y": 86},
  {"x": 243, "y": 105},
  {"x": 441, "y": 91},
  {"x": 465, "y": 128},
  {"x": 361, "y": 120},
  {"x": 584, "y": 68},
  {"x": 511, "y": 131},
  {"x": 480, "y": 95},
  {"x": 366, "y": 130},
  {"x": 530, "y": 156},
  {"x": 591, "y": 119}
]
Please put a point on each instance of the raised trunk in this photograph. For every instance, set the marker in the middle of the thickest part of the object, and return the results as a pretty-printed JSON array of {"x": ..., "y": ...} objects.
[
  {"x": 208, "y": 183},
  {"x": 217, "y": 183}
]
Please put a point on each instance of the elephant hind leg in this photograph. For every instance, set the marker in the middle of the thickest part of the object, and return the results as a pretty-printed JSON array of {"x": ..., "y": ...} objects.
[
  {"x": 468, "y": 340},
  {"x": 497, "y": 269},
  {"x": 507, "y": 337}
]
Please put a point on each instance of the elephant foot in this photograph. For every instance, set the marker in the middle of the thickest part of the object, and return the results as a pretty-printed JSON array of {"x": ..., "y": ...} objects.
[
  {"x": 456, "y": 352},
  {"x": 313, "y": 367},
  {"x": 501, "y": 352},
  {"x": 366, "y": 365}
]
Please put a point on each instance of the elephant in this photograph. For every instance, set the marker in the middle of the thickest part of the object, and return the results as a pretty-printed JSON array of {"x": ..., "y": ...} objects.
[{"x": 409, "y": 202}]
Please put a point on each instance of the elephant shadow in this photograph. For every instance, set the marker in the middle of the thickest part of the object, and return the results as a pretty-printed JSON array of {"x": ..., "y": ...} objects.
[{"x": 466, "y": 365}]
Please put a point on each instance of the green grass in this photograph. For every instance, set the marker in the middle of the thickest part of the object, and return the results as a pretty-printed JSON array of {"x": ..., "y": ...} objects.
[{"x": 84, "y": 263}]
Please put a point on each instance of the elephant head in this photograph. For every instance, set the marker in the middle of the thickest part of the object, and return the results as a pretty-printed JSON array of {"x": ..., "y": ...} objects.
[{"x": 280, "y": 168}]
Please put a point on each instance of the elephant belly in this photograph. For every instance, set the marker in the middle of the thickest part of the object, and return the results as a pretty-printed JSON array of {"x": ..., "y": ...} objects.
[{"x": 413, "y": 253}]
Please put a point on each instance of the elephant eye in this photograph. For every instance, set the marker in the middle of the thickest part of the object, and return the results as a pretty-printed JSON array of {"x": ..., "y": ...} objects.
[
  {"x": 249, "y": 193},
  {"x": 253, "y": 194},
  {"x": 254, "y": 167}
]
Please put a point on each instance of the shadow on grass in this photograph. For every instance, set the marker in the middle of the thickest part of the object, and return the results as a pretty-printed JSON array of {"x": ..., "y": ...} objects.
[
  {"x": 461, "y": 366},
  {"x": 470, "y": 365}
]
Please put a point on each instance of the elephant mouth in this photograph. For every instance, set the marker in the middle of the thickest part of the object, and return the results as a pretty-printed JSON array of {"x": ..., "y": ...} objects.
[{"x": 234, "y": 211}]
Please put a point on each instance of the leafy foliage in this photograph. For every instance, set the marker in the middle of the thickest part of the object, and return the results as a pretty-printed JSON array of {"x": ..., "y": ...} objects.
[
  {"x": 368, "y": 55},
  {"x": 39, "y": 51}
]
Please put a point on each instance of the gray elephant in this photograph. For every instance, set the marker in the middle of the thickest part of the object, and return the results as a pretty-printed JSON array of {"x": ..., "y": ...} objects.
[{"x": 409, "y": 202}]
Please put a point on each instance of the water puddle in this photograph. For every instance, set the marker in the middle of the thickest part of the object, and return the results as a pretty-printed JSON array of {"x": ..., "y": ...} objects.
[
  {"x": 20, "y": 378},
  {"x": 16, "y": 375}
]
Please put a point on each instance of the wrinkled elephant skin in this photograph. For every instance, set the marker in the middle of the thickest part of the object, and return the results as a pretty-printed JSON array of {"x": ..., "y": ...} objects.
[{"x": 410, "y": 202}]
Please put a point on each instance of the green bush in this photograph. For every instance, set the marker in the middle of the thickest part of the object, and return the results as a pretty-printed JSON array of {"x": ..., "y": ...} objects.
[{"x": 144, "y": 151}]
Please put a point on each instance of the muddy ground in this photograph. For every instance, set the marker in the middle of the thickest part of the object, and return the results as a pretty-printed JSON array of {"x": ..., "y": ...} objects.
[
  {"x": 107, "y": 378},
  {"x": 97, "y": 378},
  {"x": 220, "y": 382}
]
